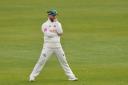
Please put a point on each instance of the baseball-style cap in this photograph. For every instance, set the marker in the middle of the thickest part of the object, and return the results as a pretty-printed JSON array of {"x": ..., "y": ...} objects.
[{"x": 52, "y": 12}]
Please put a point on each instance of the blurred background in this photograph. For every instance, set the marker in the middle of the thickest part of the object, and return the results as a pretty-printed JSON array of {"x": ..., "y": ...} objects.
[{"x": 95, "y": 41}]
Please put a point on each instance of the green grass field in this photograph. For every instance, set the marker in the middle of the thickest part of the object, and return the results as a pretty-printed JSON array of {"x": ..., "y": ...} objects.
[{"x": 95, "y": 41}]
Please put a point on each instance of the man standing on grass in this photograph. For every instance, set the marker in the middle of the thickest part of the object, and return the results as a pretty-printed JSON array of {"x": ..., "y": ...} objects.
[{"x": 52, "y": 32}]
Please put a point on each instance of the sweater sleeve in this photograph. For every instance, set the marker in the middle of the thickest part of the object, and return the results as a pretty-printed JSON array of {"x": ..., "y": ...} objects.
[{"x": 59, "y": 29}]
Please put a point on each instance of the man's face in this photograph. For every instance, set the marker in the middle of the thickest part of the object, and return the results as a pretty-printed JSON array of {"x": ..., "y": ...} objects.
[{"x": 52, "y": 18}]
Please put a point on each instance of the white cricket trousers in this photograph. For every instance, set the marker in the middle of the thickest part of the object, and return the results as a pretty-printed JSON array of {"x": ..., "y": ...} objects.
[{"x": 45, "y": 54}]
